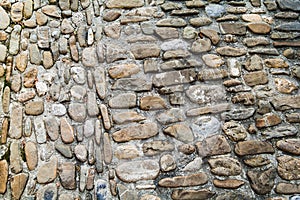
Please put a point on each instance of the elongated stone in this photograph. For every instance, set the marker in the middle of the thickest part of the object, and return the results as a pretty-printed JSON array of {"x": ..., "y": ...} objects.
[
  {"x": 183, "y": 194},
  {"x": 105, "y": 117},
  {"x": 286, "y": 102},
  {"x": 157, "y": 147},
  {"x": 3, "y": 175},
  {"x": 15, "y": 158},
  {"x": 124, "y": 70},
  {"x": 225, "y": 166},
  {"x": 174, "y": 78},
  {"x": 183, "y": 181},
  {"x": 107, "y": 149},
  {"x": 17, "y": 184},
  {"x": 213, "y": 145},
  {"x": 127, "y": 117},
  {"x": 252, "y": 147},
  {"x": 31, "y": 153},
  {"x": 181, "y": 132},
  {"x": 124, "y": 4},
  {"x": 16, "y": 122}
]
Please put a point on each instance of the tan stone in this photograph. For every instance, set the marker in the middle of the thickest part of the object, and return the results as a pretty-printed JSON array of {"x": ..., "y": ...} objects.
[
  {"x": 47, "y": 59},
  {"x": 67, "y": 131},
  {"x": 231, "y": 51},
  {"x": 34, "y": 108},
  {"x": 184, "y": 181},
  {"x": 213, "y": 60},
  {"x": 228, "y": 183},
  {"x": 48, "y": 171},
  {"x": 124, "y": 3},
  {"x": 140, "y": 52},
  {"x": 138, "y": 132},
  {"x": 17, "y": 11},
  {"x": 251, "y": 17},
  {"x": 287, "y": 188},
  {"x": 152, "y": 103},
  {"x": 21, "y": 61},
  {"x": 289, "y": 145},
  {"x": 31, "y": 153},
  {"x": 68, "y": 175},
  {"x": 127, "y": 117},
  {"x": 286, "y": 102},
  {"x": 123, "y": 70},
  {"x": 211, "y": 34},
  {"x": 51, "y": 10},
  {"x": 225, "y": 166},
  {"x": 276, "y": 63},
  {"x": 3, "y": 176},
  {"x": 252, "y": 147},
  {"x": 259, "y": 27},
  {"x": 285, "y": 86},
  {"x": 288, "y": 167},
  {"x": 107, "y": 149},
  {"x": 126, "y": 152},
  {"x": 213, "y": 145},
  {"x": 181, "y": 132},
  {"x": 157, "y": 147},
  {"x": 257, "y": 161},
  {"x": 184, "y": 194},
  {"x": 269, "y": 119},
  {"x": 256, "y": 78},
  {"x": 30, "y": 77},
  {"x": 17, "y": 184}
]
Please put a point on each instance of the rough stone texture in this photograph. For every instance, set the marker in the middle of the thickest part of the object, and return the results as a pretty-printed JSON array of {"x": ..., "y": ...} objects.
[
  {"x": 225, "y": 166},
  {"x": 48, "y": 171},
  {"x": 183, "y": 181},
  {"x": 288, "y": 167},
  {"x": 262, "y": 182},
  {"x": 213, "y": 145},
  {"x": 252, "y": 147}
]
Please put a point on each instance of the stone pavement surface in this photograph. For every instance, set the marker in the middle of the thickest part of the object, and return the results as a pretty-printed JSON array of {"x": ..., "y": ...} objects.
[{"x": 149, "y": 99}]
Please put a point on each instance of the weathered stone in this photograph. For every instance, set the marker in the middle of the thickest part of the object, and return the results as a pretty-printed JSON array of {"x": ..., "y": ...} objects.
[
  {"x": 171, "y": 116},
  {"x": 287, "y": 15},
  {"x": 17, "y": 184},
  {"x": 67, "y": 131},
  {"x": 15, "y": 158},
  {"x": 48, "y": 191},
  {"x": 212, "y": 74},
  {"x": 16, "y": 11},
  {"x": 174, "y": 78},
  {"x": 152, "y": 103},
  {"x": 229, "y": 17},
  {"x": 231, "y": 51},
  {"x": 126, "y": 152},
  {"x": 289, "y": 145},
  {"x": 31, "y": 154},
  {"x": 183, "y": 194},
  {"x": 16, "y": 122},
  {"x": 81, "y": 152},
  {"x": 68, "y": 175},
  {"x": 252, "y": 147},
  {"x": 52, "y": 128},
  {"x": 287, "y": 188},
  {"x": 30, "y": 78},
  {"x": 113, "y": 30},
  {"x": 289, "y": 5},
  {"x": 181, "y": 132},
  {"x": 48, "y": 171},
  {"x": 172, "y": 22},
  {"x": 215, "y": 10},
  {"x": 52, "y": 11},
  {"x": 266, "y": 51},
  {"x": 205, "y": 93},
  {"x": 124, "y": 70},
  {"x": 124, "y": 4},
  {"x": 234, "y": 130},
  {"x": 228, "y": 183},
  {"x": 5, "y": 20},
  {"x": 127, "y": 117},
  {"x": 64, "y": 150},
  {"x": 252, "y": 17},
  {"x": 34, "y": 108},
  {"x": 291, "y": 26},
  {"x": 287, "y": 167},
  {"x": 206, "y": 125},
  {"x": 233, "y": 28},
  {"x": 105, "y": 116},
  {"x": 180, "y": 53},
  {"x": 89, "y": 57},
  {"x": 218, "y": 108},
  {"x": 138, "y": 132},
  {"x": 280, "y": 131},
  {"x": 257, "y": 161},
  {"x": 262, "y": 182},
  {"x": 286, "y": 102},
  {"x": 111, "y": 15},
  {"x": 246, "y": 98},
  {"x": 276, "y": 63},
  {"x": 254, "y": 63},
  {"x": 137, "y": 170},
  {"x": 201, "y": 45},
  {"x": 140, "y": 52},
  {"x": 174, "y": 44},
  {"x": 107, "y": 149},
  {"x": 225, "y": 166},
  {"x": 211, "y": 34},
  {"x": 3, "y": 175},
  {"x": 157, "y": 147},
  {"x": 251, "y": 42},
  {"x": 256, "y": 78},
  {"x": 200, "y": 21},
  {"x": 269, "y": 119},
  {"x": 167, "y": 163},
  {"x": 183, "y": 181},
  {"x": 77, "y": 112},
  {"x": 259, "y": 27},
  {"x": 115, "y": 52},
  {"x": 132, "y": 84},
  {"x": 213, "y": 145},
  {"x": 236, "y": 10},
  {"x": 293, "y": 117}
]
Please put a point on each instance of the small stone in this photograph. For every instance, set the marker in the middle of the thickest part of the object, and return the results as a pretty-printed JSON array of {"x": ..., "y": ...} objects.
[
  {"x": 233, "y": 28},
  {"x": 124, "y": 4},
  {"x": 41, "y": 18},
  {"x": 127, "y": 117},
  {"x": 15, "y": 128},
  {"x": 140, "y": 52},
  {"x": 189, "y": 33},
  {"x": 150, "y": 197},
  {"x": 213, "y": 60},
  {"x": 183, "y": 181},
  {"x": 173, "y": 45},
  {"x": 68, "y": 175},
  {"x": 152, "y": 103},
  {"x": 276, "y": 63},
  {"x": 181, "y": 132},
  {"x": 251, "y": 42},
  {"x": 225, "y": 166},
  {"x": 48, "y": 191},
  {"x": 213, "y": 145},
  {"x": 115, "y": 52},
  {"x": 186, "y": 149},
  {"x": 231, "y": 51},
  {"x": 34, "y": 108},
  {"x": 254, "y": 63},
  {"x": 228, "y": 183},
  {"x": 234, "y": 130},
  {"x": 48, "y": 171},
  {"x": 200, "y": 21},
  {"x": 214, "y": 10},
  {"x": 67, "y": 131},
  {"x": 183, "y": 194},
  {"x": 212, "y": 35},
  {"x": 293, "y": 117},
  {"x": 174, "y": 78},
  {"x": 251, "y": 17},
  {"x": 58, "y": 109},
  {"x": 167, "y": 163},
  {"x": 212, "y": 74},
  {"x": 123, "y": 70},
  {"x": 51, "y": 10},
  {"x": 259, "y": 27},
  {"x": 172, "y": 22},
  {"x": 171, "y": 6},
  {"x": 52, "y": 127},
  {"x": 64, "y": 150},
  {"x": 111, "y": 15},
  {"x": 270, "y": 4},
  {"x": 17, "y": 11},
  {"x": 30, "y": 78},
  {"x": 289, "y": 145},
  {"x": 77, "y": 112},
  {"x": 17, "y": 184},
  {"x": 262, "y": 182},
  {"x": 5, "y": 20},
  {"x": 269, "y": 119},
  {"x": 252, "y": 147},
  {"x": 81, "y": 152},
  {"x": 287, "y": 167},
  {"x": 287, "y": 188},
  {"x": 113, "y": 31},
  {"x": 257, "y": 161},
  {"x": 266, "y": 51},
  {"x": 286, "y": 102},
  {"x": 195, "y": 4},
  {"x": 105, "y": 116},
  {"x": 31, "y": 153},
  {"x": 157, "y": 147},
  {"x": 171, "y": 116},
  {"x": 256, "y": 78},
  {"x": 134, "y": 171},
  {"x": 138, "y": 132},
  {"x": 126, "y": 152},
  {"x": 201, "y": 45}
]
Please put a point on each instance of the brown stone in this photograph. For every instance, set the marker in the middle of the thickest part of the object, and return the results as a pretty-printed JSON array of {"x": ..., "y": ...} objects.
[
  {"x": 107, "y": 149},
  {"x": 67, "y": 131},
  {"x": 124, "y": 4},
  {"x": 48, "y": 171},
  {"x": 200, "y": 21},
  {"x": 234, "y": 130},
  {"x": 167, "y": 163},
  {"x": 123, "y": 70},
  {"x": 285, "y": 86},
  {"x": 269, "y": 119},
  {"x": 212, "y": 35},
  {"x": 127, "y": 117},
  {"x": 152, "y": 103},
  {"x": 254, "y": 41},
  {"x": 138, "y": 132},
  {"x": 126, "y": 152},
  {"x": 157, "y": 147},
  {"x": 172, "y": 22},
  {"x": 30, "y": 78},
  {"x": 184, "y": 181},
  {"x": 180, "y": 53},
  {"x": 3, "y": 176},
  {"x": 34, "y": 108},
  {"x": 231, "y": 51},
  {"x": 111, "y": 15},
  {"x": 167, "y": 32},
  {"x": 140, "y": 52},
  {"x": 51, "y": 10},
  {"x": 21, "y": 61},
  {"x": 233, "y": 28},
  {"x": 257, "y": 161},
  {"x": 251, "y": 17},
  {"x": 246, "y": 98},
  {"x": 228, "y": 183},
  {"x": 287, "y": 188},
  {"x": 183, "y": 194},
  {"x": 293, "y": 117},
  {"x": 254, "y": 63},
  {"x": 286, "y": 43},
  {"x": 276, "y": 63},
  {"x": 68, "y": 175},
  {"x": 181, "y": 132},
  {"x": 16, "y": 122},
  {"x": 288, "y": 167},
  {"x": 259, "y": 27},
  {"x": 213, "y": 145},
  {"x": 218, "y": 108},
  {"x": 289, "y": 145},
  {"x": 225, "y": 166},
  {"x": 212, "y": 60},
  {"x": 256, "y": 78},
  {"x": 31, "y": 153},
  {"x": 17, "y": 184},
  {"x": 286, "y": 102},
  {"x": 262, "y": 182},
  {"x": 134, "y": 171},
  {"x": 252, "y": 147},
  {"x": 186, "y": 149}
]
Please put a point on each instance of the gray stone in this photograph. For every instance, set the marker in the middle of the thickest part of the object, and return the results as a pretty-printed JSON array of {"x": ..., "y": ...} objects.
[
  {"x": 140, "y": 52},
  {"x": 77, "y": 112},
  {"x": 80, "y": 152},
  {"x": 225, "y": 166},
  {"x": 292, "y": 26},
  {"x": 64, "y": 150},
  {"x": 174, "y": 78},
  {"x": 68, "y": 175},
  {"x": 40, "y": 131},
  {"x": 78, "y": 74},
  {"x": 181, "y": 132},
  {"x": 48, "y": 191},
  {"x": 52, "y": 127},
  {"x": 15, "y": 37},
  {"x": 183, "y": 194},
  {"x": 285, "y": 102},
  {"x": 173, "y": 45},
  {"x": 15, "y": 158},
  {"x": 213, "y": 145},
  {"x": 92, "y": 106},
  {"x": 206, "y": 125},
  {"x": 215, "y": 10},
  {"x": 88, "y": 129},
  {"x": 125, "y": 100},
  {"x": 171, "y": 116},
  {"x": 58, "y": 110},
  {"x": 289, "y": 5},
  {"x": 16, "y": 122},
  {"x": 280, "y": 131},
  {"x": 157, "y": 147},
  {"x": 233, "y": 28},
  {"x": 132, "y": 84},
  {"x": 167, "y": 163},
  {"x": 205, "y": 93}
]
